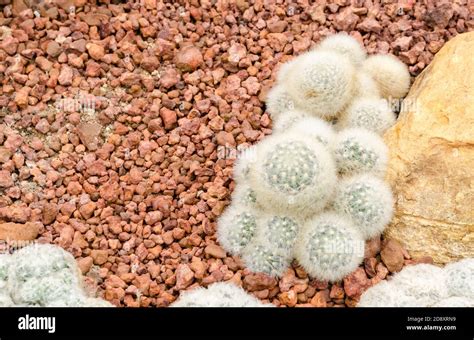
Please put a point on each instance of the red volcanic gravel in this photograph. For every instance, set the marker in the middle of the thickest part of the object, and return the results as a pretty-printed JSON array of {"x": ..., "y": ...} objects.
[{"x": 113, "y": 117}]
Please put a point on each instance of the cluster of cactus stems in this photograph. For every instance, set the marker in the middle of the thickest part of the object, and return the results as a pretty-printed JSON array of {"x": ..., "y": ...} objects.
[
  {"x": 425, "y": 285},
  {"x": 43, "y": 275},
  {"x": 314, "y": 191}
]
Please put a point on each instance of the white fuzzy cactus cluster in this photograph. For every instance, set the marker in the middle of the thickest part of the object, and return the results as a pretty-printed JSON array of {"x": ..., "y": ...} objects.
[
  {"x": 425, "y": 285},
  {"x": 314, "y": 191},
  {"x": 220, "y": 294},
  {"x": 43, "y": 275}
]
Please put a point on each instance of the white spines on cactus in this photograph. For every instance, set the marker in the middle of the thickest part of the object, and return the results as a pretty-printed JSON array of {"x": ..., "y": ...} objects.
[
  {"x": 418, "y": 281},
  {"x": 244, "y": 195},
  {"x": 367, "y": 201},
  {"x": 5, "y": 298},
  {"x": 294, "y": 175},
  {"x": 455, "y": 301},
  {"x": 420, "y": 285},
  {"x": 261, "y": 257},
  {"x": 4, "y": 265},
  {"x": 242, "y": 164},
  {"x": 424, "y": 285},
  {"x": 75, "y": 300},
  {"x": 329, "y": 247},
  {"x": 315, "y": 128},
  {"x": 287, "y": 120},
  {"x": 284, "y": 70},
  {"x": 42, "y": 275},
  {"x": 366, "y": 87},
  {"x": 460, "y": 278},
  {"x": 369, "y": 113},
  {"x": 279, "y": 231},
  {"x": 346, "y": 45},
  {"x": 321, "y": 82},
  {"x": 40, "y": 260},
  {"x": 360, "y": 151},
  {"x": 236, "y": 228},
  {"x": 390, "y": 74},
  {"x": 41, "y": 290},
  {"x": 220, "y": 294},
  {"x": 385, "y": 294},
  {"x": 6, "y": 301},
  {"x": 279, "y": 101}
]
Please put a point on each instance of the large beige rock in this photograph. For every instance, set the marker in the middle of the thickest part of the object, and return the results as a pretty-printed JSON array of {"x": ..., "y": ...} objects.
[{"x": 431, "y": 167}]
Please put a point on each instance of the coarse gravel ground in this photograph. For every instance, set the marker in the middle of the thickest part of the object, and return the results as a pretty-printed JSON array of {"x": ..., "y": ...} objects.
[{"x": 120, "y": 121}]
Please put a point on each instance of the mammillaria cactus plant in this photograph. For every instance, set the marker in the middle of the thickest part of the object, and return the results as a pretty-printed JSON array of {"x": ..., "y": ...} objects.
[
  {"x": 295, "y": 175},
  {"x": 367, "y": 201},
  {"x": 242, "y": 164},
  {"x": 460, "y": 278},
  {"x": 260, "y": 256},
  {"x": 236, "y": 228},
  {"x": 373, "y": 114},
  {"x": 220, "y": 294},
  {"x": 412, "y": 278},
  {"x": 315, "y": 128},
  {"x": 329, "y": 247},
  {"x": 455, "y": 301},
  {"x": 271, "y": 250},
  {"x": 360, "y": 151},
  {"x": 390, "y": 74},
  {"x": 321, "y": 82},
  {"x": 279, "y": 231},
  {"x": 244, "y": 195},
  {"x": 345, "y": 45},
  {"x": 4, "y": 265},
  {"x": 287, "y": 120},
  {"x": 425, "y": 285},
  {"x": 279, "y": 102},
  {"x": 366, "y": 87},
  {"x": 322, "y": 167},
  {"x": 43, "y": 275}
]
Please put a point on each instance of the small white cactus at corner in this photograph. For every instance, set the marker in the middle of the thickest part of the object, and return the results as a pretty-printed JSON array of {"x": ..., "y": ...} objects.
[
  {"x": 455, "y": 301},
  {"x": 4, "y": 265},
  {"x": 390, "y": 74},
  {"x": 418, "y": 281},
  {"x": 294, "y": 175},
  {"x": 385, "y": 294},
  {"x": 367, "y": 201},
  {"x": 321, "y": 82},
  {"x": 360, "y": 151},
  {"x": 220, "y": 294},
  {"x": 43, "y": 275},
  {"x": 329, "y": 247},
  {"x": 460, "y": 277},
  {"x": 425, "y": 285},
  {"x": 369, "y": 113}
]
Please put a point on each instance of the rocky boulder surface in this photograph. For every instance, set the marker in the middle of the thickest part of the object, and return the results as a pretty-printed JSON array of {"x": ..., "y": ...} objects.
[{"x": 431, "y": 167}]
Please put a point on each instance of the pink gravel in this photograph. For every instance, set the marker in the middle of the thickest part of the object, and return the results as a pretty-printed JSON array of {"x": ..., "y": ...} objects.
[{"x": 112, "y": 116}]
